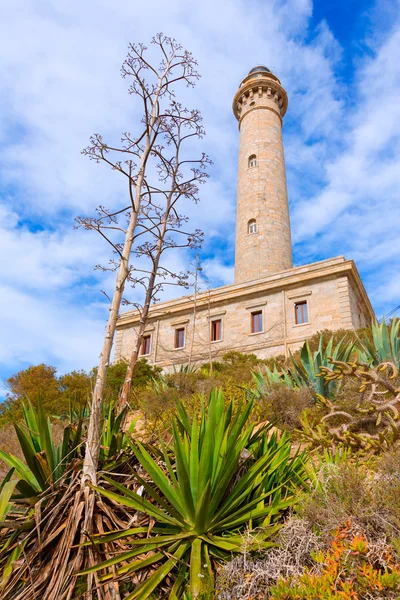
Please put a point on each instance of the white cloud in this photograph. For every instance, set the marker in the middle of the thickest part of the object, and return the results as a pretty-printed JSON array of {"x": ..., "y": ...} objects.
[
  {"x": 36, "y": 330},
  {"x": 357, "y": 210},
  {"x": 46, "y": 260},
  {"x": 217, "y": 273},
  {"x": 59, "y": 83}
]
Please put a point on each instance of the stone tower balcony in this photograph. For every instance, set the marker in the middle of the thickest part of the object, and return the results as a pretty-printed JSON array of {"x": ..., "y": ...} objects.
[{"x": 260, "y": 89}]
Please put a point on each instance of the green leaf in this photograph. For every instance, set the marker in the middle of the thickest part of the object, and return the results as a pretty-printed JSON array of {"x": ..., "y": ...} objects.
[
  {"x": 203, "y": 514},
  {"x": 196, "y": 570},
  {"x": 8, "y": 568},
  {"x": 22, "y": 470},
  {"x": 149, "y": 585},
  {"x": 5, "y": 495},
  {"x": 158, "y": 476},
  {"x": 46, "y": 439},
  {"x": 138, "y": 503}
]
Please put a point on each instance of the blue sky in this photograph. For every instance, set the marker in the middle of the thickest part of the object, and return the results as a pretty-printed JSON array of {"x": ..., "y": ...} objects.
[{"x": 60, "y": 82}]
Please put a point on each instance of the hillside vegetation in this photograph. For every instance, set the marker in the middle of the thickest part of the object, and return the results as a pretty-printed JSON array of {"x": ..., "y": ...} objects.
[{"x": 242, "y": 479}]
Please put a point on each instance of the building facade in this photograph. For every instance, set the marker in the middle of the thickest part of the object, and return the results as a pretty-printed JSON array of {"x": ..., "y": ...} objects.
[{"x": 272, "y": 307}]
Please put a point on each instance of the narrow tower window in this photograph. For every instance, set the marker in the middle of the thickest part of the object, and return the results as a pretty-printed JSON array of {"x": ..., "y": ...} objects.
[
  {"x": 252, "y": 161},
  {"x": 301, "y": 312},
  {"x": 252, "y": 226}
]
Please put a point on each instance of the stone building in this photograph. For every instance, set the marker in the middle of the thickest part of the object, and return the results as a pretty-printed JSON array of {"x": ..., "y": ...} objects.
[{"x": 271, "y": 307}]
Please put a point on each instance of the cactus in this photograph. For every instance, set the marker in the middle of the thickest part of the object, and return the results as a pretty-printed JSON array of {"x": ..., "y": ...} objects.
[{"x": 377, "y": 409}]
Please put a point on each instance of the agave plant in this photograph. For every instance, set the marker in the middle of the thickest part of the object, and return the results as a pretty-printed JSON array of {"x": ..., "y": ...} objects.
[
  {"x": 307, "y": 372},
  {"x": 385, "y": 346},
  {"x": 203, "y": 500},
  {"x": 309, "y": 369},
  {"x": 45, "y": 460},
  {"x": 186, "y": 369},
  {"x": 267, "y": 377}
]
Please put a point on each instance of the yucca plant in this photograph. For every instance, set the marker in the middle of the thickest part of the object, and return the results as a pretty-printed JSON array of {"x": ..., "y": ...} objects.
[
  {"x": 45, "y": 460},
  {"x": 307, "y": 371},
  {"x": 385, "y": 346},
  {"x": 39, "y": 539},
  {"x": 8, "y": 530},
  {"x": 200, "y": 501}
]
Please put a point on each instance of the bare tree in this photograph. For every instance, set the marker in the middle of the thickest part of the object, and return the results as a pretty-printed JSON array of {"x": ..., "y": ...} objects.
[
  {"x": 210, "y": 357},
  {"x": 162, "y": 224},
  {"x": 196, "y": 289},
  {"x": 155, "y": 88}
]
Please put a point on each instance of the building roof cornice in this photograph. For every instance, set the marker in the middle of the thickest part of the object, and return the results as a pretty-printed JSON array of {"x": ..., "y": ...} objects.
[{"x": 285, "y": 280}]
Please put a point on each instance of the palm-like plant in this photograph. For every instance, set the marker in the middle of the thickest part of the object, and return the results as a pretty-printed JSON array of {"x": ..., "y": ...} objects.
[
  {"x": 309, "y": 368},
  {"x": 267, "y": 377},
  {"x": 200, "y": 503},
  {"x": 8, "y": 557}
]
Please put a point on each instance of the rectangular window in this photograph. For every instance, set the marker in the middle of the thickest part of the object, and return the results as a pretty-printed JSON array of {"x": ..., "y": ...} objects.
[
  {"x": 216, "y": 330},
  {"x": 180, "y": 337},
  {"x": 145, "y": 345},
  {"x": 301, "y": 312},
  {"x": 256, "y": 321}
]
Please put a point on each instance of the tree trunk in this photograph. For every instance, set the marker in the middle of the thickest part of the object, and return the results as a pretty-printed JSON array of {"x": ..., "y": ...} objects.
[
  {"x": 92, "y": 452},
  {"x": 126, "y": 388},
  {"x": 94, "y": 430}
]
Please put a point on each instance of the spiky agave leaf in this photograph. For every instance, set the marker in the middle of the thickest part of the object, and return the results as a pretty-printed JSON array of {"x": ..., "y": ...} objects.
[
  {"x": 307, "y": 371},
  {"x": 385, "y": 346}
]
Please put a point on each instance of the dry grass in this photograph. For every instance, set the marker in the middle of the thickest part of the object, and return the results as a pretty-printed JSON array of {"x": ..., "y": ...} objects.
[
  {"x": 246, "y": 577},
  {"x": 8, "y": 443},
  {"x": 370, "y": 498}
]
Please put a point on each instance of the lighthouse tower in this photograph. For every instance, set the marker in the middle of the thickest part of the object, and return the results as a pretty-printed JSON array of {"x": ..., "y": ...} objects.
[{"x": 263, "y": 243}]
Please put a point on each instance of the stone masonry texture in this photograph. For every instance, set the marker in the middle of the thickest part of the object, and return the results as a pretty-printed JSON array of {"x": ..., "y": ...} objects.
[
  {"x": 332, "y": 289},
  {"x": 259, "y": 106}
]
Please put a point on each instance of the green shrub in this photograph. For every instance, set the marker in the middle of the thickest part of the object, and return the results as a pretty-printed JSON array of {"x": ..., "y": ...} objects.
[
  {"x": 283, "y": 405},
  {"x": 58, "y": 393},
  {"x": 158, "y": 400}
]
